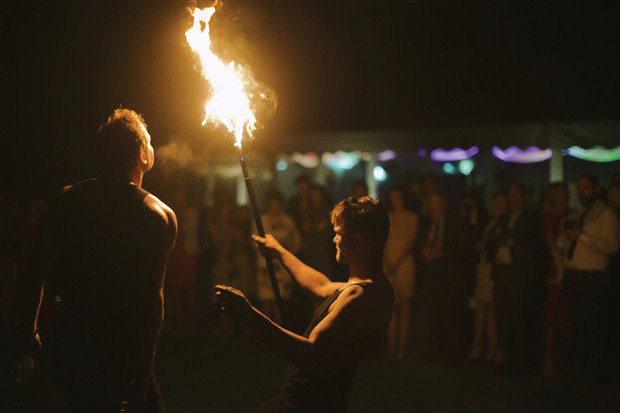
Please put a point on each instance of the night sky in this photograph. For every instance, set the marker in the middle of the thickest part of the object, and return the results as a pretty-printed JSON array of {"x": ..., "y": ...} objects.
[{"x": 335, "y": 65}]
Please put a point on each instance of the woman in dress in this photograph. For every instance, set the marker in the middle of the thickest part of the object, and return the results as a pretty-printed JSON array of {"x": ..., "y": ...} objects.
[
  {"x": 482, "y": 301},
  {"x": 553, "y": 214},
  {"x": 399, "y": 267}
]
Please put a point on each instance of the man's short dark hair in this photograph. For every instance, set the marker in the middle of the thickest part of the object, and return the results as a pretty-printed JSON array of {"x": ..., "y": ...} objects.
[
  {"x": 303, "y": 178},
  {"x": 403, "y": 194},
  {"x": 427, "y": 177},
  {"x": 519, "y": 185},
  {"x": 366, "y": 216},
  {"x": 498, "y": 193},
  {"x": 592, "y": 178},
  {"x": 275, "y": 196},
  {"x": 360, "y": 183},
  {"x": 119, "y": 141}
]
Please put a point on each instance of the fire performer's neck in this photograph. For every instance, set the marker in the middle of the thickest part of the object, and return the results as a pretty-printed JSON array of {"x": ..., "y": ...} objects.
[
  {"x": 366, "y": 266},
  {"x": 134, "y": 177}
]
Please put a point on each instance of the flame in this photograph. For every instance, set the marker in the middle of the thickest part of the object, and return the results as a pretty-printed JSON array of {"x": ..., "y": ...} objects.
[{"x": 229, "y": 104}]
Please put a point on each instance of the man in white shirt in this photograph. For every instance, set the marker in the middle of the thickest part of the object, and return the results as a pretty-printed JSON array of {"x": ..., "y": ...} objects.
[{"x": 588, "y": 243}]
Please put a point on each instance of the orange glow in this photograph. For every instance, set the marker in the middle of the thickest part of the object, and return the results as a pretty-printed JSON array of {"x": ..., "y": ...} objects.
[{"x": 230, "y": 103}]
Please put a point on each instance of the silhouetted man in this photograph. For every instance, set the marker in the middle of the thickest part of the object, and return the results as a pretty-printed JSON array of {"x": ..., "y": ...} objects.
[
  {"x": 107, "y": 244},
  {"x": 347, "y": 326}
]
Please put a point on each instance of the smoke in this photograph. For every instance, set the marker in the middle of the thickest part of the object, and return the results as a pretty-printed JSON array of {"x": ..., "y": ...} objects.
[{"x": 179, "y": 156}]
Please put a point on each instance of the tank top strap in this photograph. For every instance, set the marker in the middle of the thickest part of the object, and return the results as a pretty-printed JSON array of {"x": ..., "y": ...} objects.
[{"x": 362, "y": 284}]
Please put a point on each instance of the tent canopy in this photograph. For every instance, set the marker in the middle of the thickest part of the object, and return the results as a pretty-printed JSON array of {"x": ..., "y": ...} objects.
[{"x": 541, "y": 134}]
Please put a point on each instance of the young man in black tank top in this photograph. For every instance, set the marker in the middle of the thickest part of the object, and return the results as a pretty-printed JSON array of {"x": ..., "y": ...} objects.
[
  {"x": 347, "y": 326},
  {"x": 105, "y": 247}
]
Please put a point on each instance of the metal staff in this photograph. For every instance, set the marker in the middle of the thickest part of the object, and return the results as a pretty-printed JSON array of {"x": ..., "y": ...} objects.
[{"x": 261, "y": 231}]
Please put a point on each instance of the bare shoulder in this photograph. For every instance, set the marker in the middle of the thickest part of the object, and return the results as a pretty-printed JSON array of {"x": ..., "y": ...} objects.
[
  {"x": 374, "y": 292},
  {"x": 161, "y": 214},
  {"x": 365, "y": 301}
]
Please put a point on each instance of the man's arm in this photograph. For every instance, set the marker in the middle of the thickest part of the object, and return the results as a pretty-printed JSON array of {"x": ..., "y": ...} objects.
[
  {"x": 308, "y": 278},
  {"x": 351, "y": 317},
  {"x": 163, "y": 231},
  {"x": 32, "y": 279}
]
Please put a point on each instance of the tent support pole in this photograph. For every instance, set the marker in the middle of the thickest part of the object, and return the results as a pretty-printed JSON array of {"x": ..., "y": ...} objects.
[{"x": 556, "y": 165}]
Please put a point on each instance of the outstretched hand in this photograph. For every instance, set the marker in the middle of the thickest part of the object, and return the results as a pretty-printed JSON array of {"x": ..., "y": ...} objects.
[
  {"x": 268, "y": 246},
  {"x": 231, "y": 300}
]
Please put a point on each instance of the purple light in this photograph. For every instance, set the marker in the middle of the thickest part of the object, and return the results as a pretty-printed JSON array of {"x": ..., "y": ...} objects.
[
  {"x": 454, "y": 154},
  {"x": 515, "y": 154},
  {"x": 422, "y": 152},
  {"x": 386, "y": 155}
]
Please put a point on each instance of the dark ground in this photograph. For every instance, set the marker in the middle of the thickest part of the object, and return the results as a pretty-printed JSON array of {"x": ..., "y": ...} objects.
[{"x": 201, "y": 374}]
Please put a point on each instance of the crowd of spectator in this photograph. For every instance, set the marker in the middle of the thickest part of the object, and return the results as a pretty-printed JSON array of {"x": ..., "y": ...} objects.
[
  {"x": 524, "y": 288},
  {"x": 542, "y": 282}
]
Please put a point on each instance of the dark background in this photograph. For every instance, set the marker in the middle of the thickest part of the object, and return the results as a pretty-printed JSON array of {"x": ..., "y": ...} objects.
[{"x": 335, "y": 65}]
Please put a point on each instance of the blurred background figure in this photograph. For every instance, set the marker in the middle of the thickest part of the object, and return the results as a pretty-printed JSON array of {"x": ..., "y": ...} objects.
[
  {"x": 440, "y": 248},
  {"x": 613, "y": 200},
  {"x": 428, "y": 187},
  {"x": 482, "y": 299},
  {"x": 317, "y": 234},
  {"x": 474, "y": 218},
  {"x": 399, "y": 268},
  {"x": 414, "y": 191},
  {"x": 243, "y": 252},
  {"x": 360, "y": 189},
  {"x": 514, "y": 247},
  {"x": 553, "y": 216},
  {"x": 183, "y": 266},
  {"x": 221, "y": 230},
  {"x": 589, "y": 240},
  {"x": 299, "y": 205},
  {"x": 613, "y": 196},
  {"x": 283, "y": 228}
]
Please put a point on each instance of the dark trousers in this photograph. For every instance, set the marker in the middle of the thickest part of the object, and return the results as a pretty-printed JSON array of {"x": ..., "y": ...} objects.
[
  {"x": 443, "y": 306},
  {"x": 512, "y": 313},
  {"x": 588, "y": 298}
]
